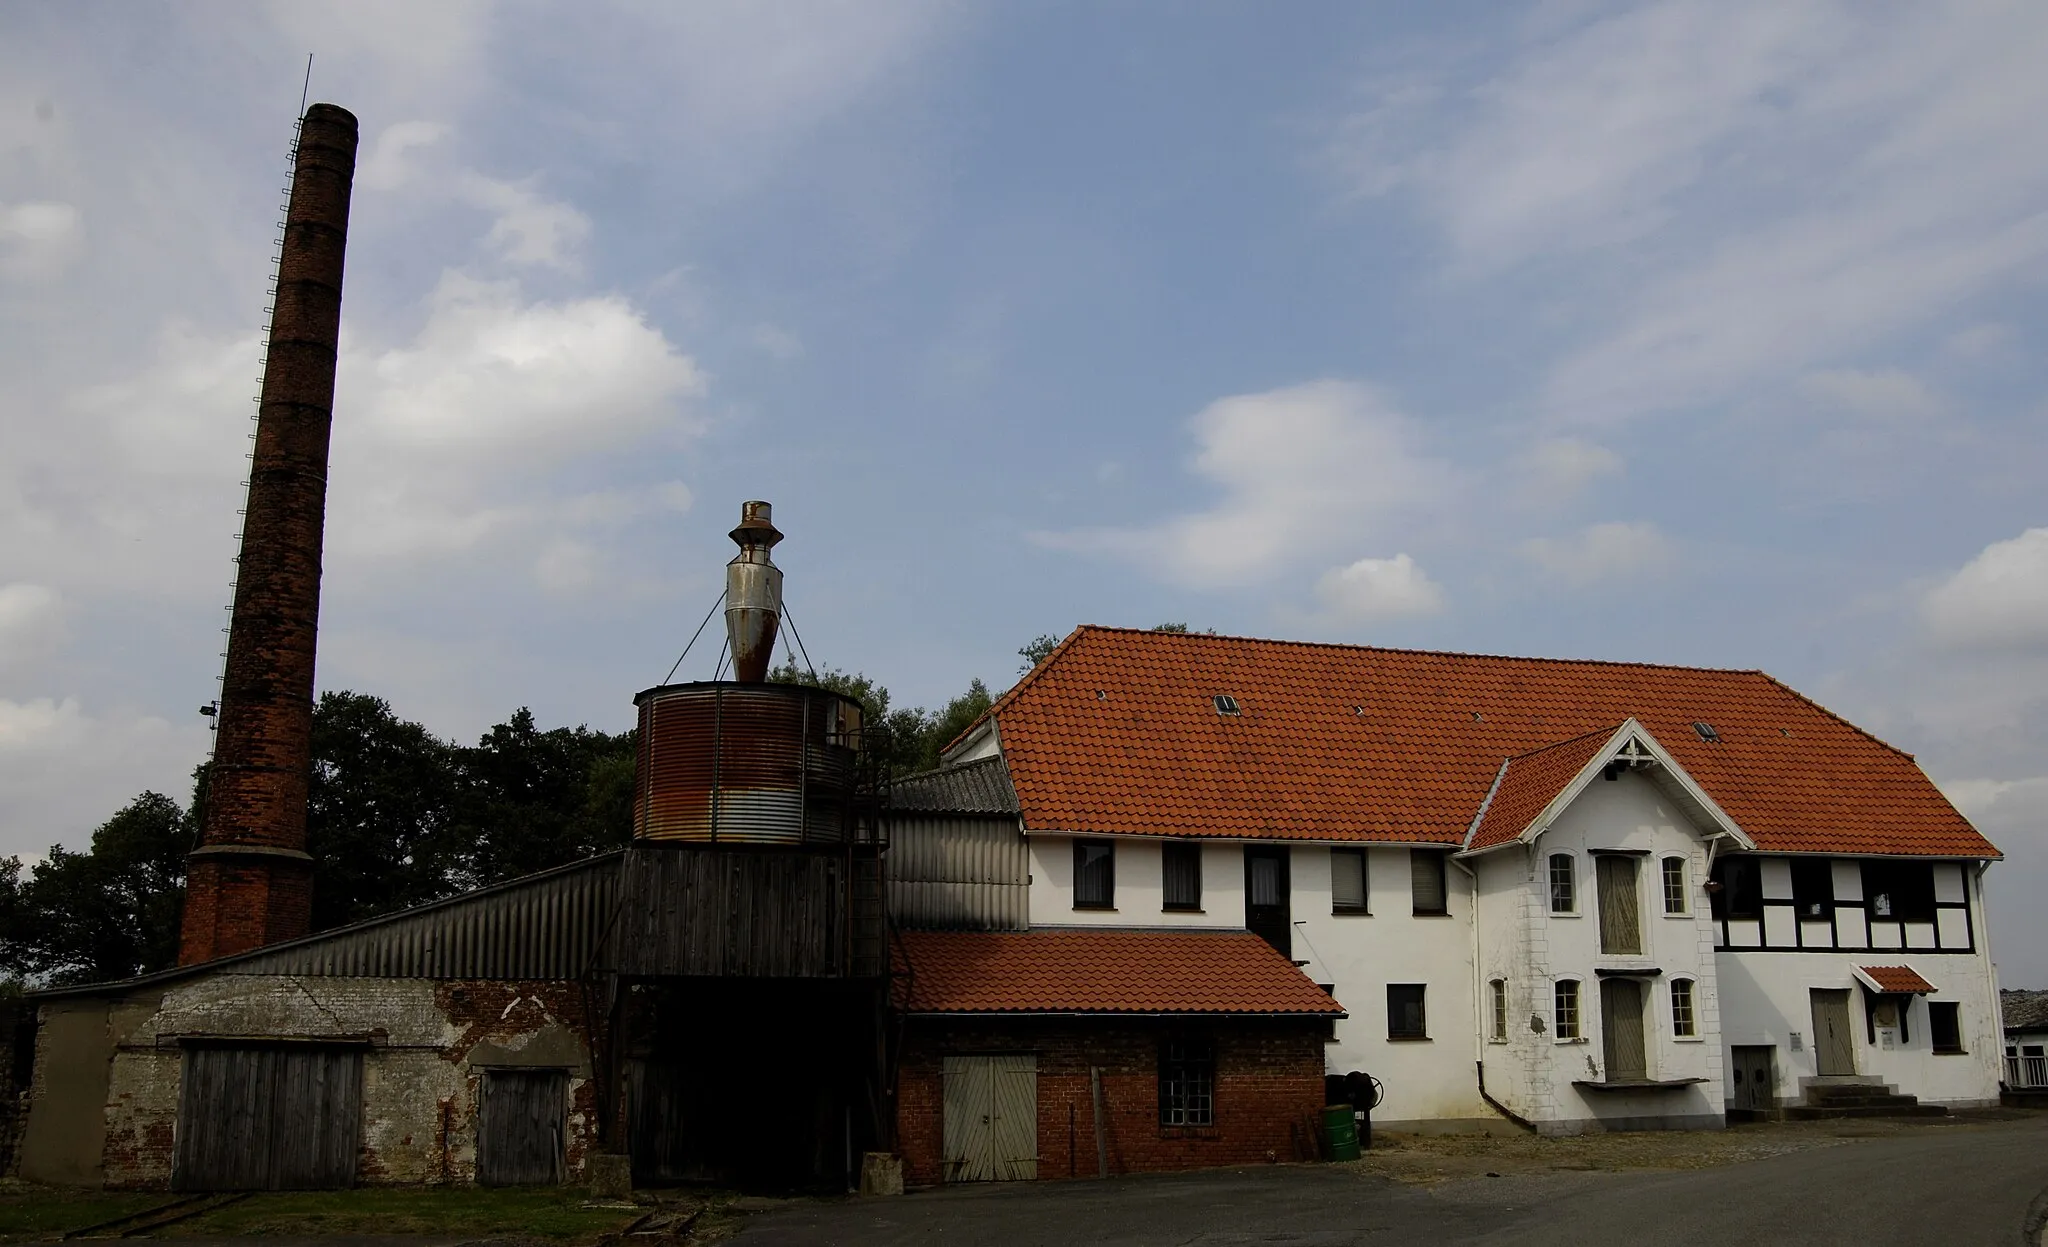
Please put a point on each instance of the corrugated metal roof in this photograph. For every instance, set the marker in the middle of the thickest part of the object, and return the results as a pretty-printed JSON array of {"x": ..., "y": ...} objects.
[
  {"x": 979, "y": 787},
  {"x": 542, "y": 926}
]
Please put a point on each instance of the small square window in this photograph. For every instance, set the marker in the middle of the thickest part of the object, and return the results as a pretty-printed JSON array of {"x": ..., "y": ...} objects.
[
  {"x": 1674, "y": 886},
  {"x": 1564, "y": 890},
  {"x": 1181, "y": 875},
  {"x": 1094, "y": 874},
  {"x": 1565, "y": 1013},
  {"x": 1187, "y": 1083},
  {"x": 1683, "y": 1023},
  {"x": 1347, "y": 881},
  {"x": 1426, "y": 870},
  {"x": 1944, "y": 1020},
  {"x": 1405, "y": 1016}
]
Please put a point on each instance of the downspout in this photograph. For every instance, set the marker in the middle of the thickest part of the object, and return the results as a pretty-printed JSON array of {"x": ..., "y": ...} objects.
[{"x": 1479, "y": 1009}]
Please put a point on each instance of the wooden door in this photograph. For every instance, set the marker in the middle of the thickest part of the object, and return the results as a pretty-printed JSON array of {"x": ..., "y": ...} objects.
[
  {"x": 990, "y": 1118},
  {"x": 520, "y": 1127},
  {"x": 268, "y": 1118},
  {"x": 1621, "y": 927},
  {"x": 1834, "y": 1043},
  {"x": 1267, "y": 910},
  {"x": 1755, "y": 1076},
  {"x": 1621, "y": 1029}
]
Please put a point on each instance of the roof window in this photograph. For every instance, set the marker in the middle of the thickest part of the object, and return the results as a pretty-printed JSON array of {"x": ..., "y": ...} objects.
[
  {"x": 1226, "y": 704},
  {"x": 1706, "y": 731},
  {"x": 1102, "y": 694}
]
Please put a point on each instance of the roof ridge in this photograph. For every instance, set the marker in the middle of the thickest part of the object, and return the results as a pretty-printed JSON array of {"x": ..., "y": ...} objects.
[{"x": 1403, "y": 649}]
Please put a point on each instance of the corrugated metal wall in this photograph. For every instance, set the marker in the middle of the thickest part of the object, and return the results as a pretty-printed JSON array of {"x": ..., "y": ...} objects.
[
  {"x": 958, "y": 872},
  {"x": 543, "y": 928}
]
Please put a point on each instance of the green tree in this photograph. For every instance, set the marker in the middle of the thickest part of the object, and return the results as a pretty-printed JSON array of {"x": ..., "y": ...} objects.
[
  {"x": 895, "y": 734},
  {"x": 1036, "y": 651},
  {"x": 960, "y": 713},
  {"x": 528, "y": 800},
  {"x": 377, "y": 816},
  {"x": 107, "y": 913}
]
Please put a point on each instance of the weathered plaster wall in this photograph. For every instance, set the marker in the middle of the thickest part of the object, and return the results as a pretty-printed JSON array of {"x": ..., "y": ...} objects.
[{"x": 105, "y": 1104}]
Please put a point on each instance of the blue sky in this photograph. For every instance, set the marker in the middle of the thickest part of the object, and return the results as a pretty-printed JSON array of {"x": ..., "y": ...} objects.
[{"x": 1688, "y": 332}]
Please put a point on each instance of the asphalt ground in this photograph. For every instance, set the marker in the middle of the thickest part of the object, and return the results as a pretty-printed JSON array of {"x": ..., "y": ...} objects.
[{"x": 1942, "y": 1185}]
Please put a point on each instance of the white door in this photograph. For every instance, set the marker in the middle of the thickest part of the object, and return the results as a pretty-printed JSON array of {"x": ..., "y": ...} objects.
[{"x": 991, "y": 1118}]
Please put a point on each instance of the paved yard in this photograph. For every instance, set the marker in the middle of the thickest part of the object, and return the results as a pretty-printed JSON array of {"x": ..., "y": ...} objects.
[{"x": 1863, "y": 1184}]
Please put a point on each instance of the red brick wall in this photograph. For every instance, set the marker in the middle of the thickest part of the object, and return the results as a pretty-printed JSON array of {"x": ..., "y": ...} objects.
[{"x": 1269, "y": 1090}]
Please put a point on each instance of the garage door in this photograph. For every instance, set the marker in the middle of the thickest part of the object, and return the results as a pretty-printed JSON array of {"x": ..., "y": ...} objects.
[{"x": 268, "y": 1118}]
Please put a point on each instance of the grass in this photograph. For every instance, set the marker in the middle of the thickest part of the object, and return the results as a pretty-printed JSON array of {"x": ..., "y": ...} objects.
[{"x": 29, "y": 1212}]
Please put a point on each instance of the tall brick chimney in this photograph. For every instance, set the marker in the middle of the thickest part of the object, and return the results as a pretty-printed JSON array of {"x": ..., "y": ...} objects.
[{"x": 250, "y": 881}]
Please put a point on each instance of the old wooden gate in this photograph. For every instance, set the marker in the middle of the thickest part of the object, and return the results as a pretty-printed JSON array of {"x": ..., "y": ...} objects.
[
  {"x": 1834, "y": 1044},
  {"x": 991, "y": 1118},
  {"x": 275, "y": 1117},
  {"x": 1621, "y": 1029},
  {"x": 520, "y": 1120}
]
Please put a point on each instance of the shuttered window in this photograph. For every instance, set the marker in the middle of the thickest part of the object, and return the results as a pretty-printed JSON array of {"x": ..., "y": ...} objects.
[
  {"x": 1181, "y": 875},
  {"x": 1621, "y": 928},
  {"x": 1426, "y": 867},
  {"x": 1094, "y": 874},
  {"x": 1347, "y": 881}
]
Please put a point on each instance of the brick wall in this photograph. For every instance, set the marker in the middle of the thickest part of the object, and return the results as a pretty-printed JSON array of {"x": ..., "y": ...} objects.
[{"x": 1269, "y": 1090}]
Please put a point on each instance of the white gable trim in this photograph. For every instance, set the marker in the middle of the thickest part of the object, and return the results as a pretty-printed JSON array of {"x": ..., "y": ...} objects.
[{"x": 1633, "y": 744}]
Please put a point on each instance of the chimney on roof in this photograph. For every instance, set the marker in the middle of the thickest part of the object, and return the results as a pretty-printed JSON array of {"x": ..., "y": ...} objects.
[
  {"x": 250, "y": 881},
  {"x": 753, "y": 594}
]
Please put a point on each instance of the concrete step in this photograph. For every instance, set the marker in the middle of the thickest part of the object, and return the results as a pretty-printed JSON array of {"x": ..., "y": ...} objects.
[
  {"x": 1815, "y": 1112},
  {"x": 1879, "y": 1100}
]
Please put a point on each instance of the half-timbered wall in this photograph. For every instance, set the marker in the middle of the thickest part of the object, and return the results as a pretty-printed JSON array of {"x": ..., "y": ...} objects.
[{"x": 1842, "y": 903}]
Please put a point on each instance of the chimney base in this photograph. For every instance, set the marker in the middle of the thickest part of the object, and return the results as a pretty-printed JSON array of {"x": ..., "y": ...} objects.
[{"x": 239, "y": 897}]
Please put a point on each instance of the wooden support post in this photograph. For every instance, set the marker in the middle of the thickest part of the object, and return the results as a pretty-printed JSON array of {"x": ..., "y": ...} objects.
[{"x": 1101, "y": 1135}]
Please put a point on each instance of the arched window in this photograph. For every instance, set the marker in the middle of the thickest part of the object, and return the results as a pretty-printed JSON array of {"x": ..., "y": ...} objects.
[
  {"x": 1684, "y": 1016},
  {"x": 1565, "y": 1012},
  {"x": 1564, "y": 884}
]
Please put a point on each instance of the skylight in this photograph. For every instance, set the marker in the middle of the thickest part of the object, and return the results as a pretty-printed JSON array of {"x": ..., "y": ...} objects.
[
  {"x": 1226, "y": 704},
  {"x": 1706, "y": 731}
]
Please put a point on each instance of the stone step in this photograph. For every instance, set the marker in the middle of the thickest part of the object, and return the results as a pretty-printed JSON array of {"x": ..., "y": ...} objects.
[
  {"x": 1815, "y": 1112},
  {"x": 1878, "y": 1100}
]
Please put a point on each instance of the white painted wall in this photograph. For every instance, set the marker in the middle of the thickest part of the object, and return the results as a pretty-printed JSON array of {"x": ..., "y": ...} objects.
[
  {"x": 1139, "y": 889},
  {"x": 1630, "y": 813}
]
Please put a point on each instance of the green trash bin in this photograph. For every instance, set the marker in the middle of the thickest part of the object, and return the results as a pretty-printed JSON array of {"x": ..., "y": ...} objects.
[{"x": 1340, "y": 1132}]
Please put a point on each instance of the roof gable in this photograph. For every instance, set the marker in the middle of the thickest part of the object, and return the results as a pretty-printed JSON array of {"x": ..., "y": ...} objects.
[
  {"x": 1532, "y": 790},
  {"x": 1118, "y": 732}
]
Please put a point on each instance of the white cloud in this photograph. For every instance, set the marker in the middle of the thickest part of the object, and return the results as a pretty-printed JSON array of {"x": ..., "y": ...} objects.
[
  {"x": 1721, "y": 193},
  {"x": 1610, "y": 551},
  {"x": 31, "y": 623},
  {"x": 64, "y": 769},
  {"x": 388, "y": 164},
  {"x": 1998, "y": 600},
  {"x": 1302, "y": 471},
  {"x": 1889, "y": 394},
  {"x": 1560, "y": 468},
  {"x": 39, "y": 239},
  {"x": 1374, "y": 589}
]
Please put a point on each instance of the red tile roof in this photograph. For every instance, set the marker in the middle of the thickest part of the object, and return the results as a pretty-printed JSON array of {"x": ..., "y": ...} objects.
[
  {"x": 1896, "y": 979},
  {"x": 1117, "y": 732},
  {"x": 1081, "y": 971},
  {"x": 1531, "y": 782}
]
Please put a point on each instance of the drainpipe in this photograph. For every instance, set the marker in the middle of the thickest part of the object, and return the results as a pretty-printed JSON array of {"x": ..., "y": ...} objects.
[{"x": 1479, "y": 1009}]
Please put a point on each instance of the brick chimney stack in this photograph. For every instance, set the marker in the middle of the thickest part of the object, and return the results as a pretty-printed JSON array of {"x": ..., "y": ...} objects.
[{"x": 250, "y": 881}]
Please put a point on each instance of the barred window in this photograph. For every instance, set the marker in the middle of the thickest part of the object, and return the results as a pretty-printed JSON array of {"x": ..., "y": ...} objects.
[
  {"x": 1564, "y": 897},
  {"x": 1500, "y": 1010},
  {"x": 1187, "y": 1083},
  {"x": 1094, "y": 874},
  {"x": 1674, "y": 885},
  {"x": 1565, "y": 1015},
  {"x": 1347, "y": 881},
  {"x": 1683, "y": 1024},
  {"x": 1181, "y": 865}
]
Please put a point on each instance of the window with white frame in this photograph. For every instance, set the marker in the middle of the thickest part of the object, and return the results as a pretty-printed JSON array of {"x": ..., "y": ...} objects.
[
  {"x": 1564, "y": 884},
  {"x": 1500, "y": 1010},
  {"x": 1674, "y": 885},
  {"x": 1564, "y": 1015},
  {"x": 1684, "y": 1019}
]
